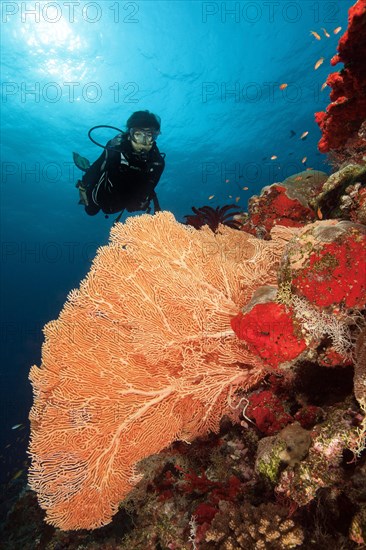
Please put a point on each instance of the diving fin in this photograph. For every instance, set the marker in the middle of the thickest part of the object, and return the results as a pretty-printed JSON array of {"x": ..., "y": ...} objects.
[{"x": 81, "y": 162}]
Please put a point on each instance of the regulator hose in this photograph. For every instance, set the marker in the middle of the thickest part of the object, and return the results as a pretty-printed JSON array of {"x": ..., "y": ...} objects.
[{"x": 101, "y": 126}]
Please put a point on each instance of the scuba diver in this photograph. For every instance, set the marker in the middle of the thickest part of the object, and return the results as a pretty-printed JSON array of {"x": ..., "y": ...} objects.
[{"x": 127, "y": 172}]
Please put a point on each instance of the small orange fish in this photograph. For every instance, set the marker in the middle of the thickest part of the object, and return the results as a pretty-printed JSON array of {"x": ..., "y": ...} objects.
[
  {"x": 325, "y": 32},
  {"x": 303, "y": 135},
  {"x": 245, "y": 188},
  {"x": 283, "y": 86},
  {"x": 323, "y": 86},
  {"x": 211, "y": 197},
  {"x": 237, "y": 199},
  {"x": 273, "y": 157},
  {"x": 319, "y": 214},
  {"x": 304, "y": 160},
  {"x": 318, "y": 63},
  {"x": 337, "y": 30},
  {"x": 316, "y": 35}
]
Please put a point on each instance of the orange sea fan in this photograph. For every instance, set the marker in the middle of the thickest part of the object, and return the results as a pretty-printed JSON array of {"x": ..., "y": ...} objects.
[{"x": 141, "y": 355}]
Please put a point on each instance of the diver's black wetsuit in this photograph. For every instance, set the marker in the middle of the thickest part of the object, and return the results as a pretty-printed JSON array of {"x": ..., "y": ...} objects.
[{"x": 121, "y": 178}]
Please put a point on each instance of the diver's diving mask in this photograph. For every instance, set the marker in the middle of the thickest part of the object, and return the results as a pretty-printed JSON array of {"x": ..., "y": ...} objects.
[{"x": 143, "y": 136}]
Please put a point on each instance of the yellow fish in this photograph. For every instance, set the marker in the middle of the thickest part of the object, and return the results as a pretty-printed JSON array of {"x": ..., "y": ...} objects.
[
  {"x": 283, "y": 86},
  {"x": 325, "y": 32},
  {"x": 304, "y": 160},
  {"x": 237, "y": 199},
  {"x": 273, "y": 157},
  {"x": 316, "y": 35},
  {"x": 18, "y": 474},
  {"x": 318, "y": 63},
  {"x": 245, "y": 188},
  {"x": 323, "y": 86},
  {"x": 337, "y": 30},
  {"x": 303, "y": 135},
  {"x": 319, "y": 214},
  {"x": 211, "y": 197}
]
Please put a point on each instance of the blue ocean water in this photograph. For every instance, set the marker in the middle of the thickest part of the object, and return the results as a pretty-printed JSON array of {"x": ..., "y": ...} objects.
[{"x": 211, "y": 70}]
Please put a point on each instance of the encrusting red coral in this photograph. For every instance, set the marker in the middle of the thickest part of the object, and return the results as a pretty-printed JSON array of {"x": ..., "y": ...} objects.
[
  {"x": 347, "y": 110},
  {"x": 269, "y": 331},
  {"x": 268, "y": 412},
  {"x": 287, "y": 203},
  {"x": 142, "y": 354},
  {"x": 275, "y": 207},
  {"x": 327, "y": 262},
  {"x": 331, "y": 358},
  {"x": 322, "y": 284},
  {"x": 308, "y": 415}
]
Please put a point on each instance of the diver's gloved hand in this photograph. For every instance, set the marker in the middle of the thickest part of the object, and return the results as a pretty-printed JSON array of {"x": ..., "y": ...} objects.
[
  {"x": 144, "y": 205},
  {"x": 135, "y": 206},
  {"x": 83, "y": 199}
]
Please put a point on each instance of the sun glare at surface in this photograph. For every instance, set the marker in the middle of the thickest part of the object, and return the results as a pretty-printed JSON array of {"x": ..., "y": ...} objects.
[{"x": 53, "y": 40}]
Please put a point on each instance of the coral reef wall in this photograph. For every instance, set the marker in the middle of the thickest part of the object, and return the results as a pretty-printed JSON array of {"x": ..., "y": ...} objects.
[
  {"x": 343, "y": 125},
  {"x": 175, "y": 327}
]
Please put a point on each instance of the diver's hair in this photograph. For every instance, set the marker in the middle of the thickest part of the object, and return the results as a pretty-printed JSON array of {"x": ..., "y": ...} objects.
[{"x": 143, "y": 119}]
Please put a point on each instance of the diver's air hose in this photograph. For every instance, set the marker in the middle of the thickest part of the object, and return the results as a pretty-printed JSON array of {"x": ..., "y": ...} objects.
[{"x": 101, "y": 126}]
